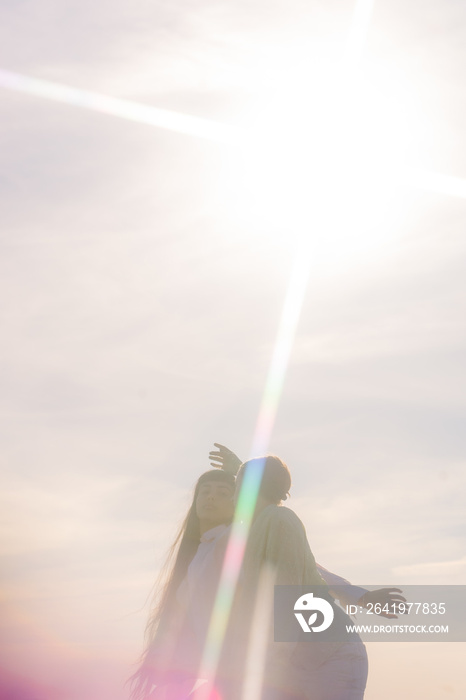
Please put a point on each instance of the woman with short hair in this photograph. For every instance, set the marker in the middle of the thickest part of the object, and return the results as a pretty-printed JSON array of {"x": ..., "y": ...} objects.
[{"x": 277, "y": 543}]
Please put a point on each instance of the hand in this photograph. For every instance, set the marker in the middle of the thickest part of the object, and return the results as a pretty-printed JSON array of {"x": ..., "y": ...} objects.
[
  {"x": 383, "y": 597},
  {"x": 225, "y": 459}
]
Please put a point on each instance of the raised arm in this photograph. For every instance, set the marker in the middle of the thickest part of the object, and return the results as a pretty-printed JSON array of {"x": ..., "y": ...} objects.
[{"x": 225, "y": 459}]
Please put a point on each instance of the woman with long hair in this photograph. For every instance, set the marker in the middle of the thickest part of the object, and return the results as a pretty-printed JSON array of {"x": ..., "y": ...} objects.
[{"x": 181, "y": 607}]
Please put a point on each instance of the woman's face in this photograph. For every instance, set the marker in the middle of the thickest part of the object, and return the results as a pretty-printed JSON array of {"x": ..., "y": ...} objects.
[{"x": 214, "y": 503}]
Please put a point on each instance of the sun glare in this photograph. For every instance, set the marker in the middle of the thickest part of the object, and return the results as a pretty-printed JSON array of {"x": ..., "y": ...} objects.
[{"x": 321, "y": 163}]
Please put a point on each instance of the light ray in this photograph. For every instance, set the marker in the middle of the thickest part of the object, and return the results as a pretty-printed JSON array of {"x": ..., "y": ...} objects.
[
  {"x": 125, "y": 109},
  {"x": 356, "y": 38},
  {"x": 273, "y": 388},
  {"x": 260, "y": 630},
  {"x": 436, "y": 182},
  {"x": 281, "y": 353},
  {"x": 207, "y": 129},
  {"x": 251, "y": 484}
]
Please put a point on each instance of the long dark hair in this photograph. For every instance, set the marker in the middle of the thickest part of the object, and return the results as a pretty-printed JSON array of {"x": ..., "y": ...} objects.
[{"x": 173, "y": 572}]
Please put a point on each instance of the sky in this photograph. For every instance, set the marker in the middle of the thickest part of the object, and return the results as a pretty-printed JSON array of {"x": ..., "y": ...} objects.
[{"x": 143, "y": 275}]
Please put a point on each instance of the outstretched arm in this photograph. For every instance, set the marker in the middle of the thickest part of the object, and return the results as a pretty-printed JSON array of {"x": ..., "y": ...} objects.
[
  {"x": 225, "y": 459},
  {"x": 348, "y": 594},
  {"x": 340, "y": 588}
]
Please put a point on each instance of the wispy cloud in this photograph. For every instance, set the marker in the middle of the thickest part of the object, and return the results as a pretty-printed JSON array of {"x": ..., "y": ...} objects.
[{"x": 434, "y": 572}]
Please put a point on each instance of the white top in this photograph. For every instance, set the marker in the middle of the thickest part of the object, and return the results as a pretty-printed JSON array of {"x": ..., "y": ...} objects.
[
  {"x": 196, "y": 593},
  {"x": 200, "y": 568}
]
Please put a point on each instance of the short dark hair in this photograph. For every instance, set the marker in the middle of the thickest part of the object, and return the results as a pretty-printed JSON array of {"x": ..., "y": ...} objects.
[{"x": 276, "y": 477}]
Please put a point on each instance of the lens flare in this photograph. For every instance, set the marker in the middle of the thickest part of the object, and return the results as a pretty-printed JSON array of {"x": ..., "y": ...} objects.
[
  {"x": 252, "y": 478},
  {"x": 323, "y": 160},
  {"x": 125, "y": 109}
]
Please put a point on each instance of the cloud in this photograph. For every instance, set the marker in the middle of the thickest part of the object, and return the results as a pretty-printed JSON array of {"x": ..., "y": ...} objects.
[
  {"x": 381, "y": 529},
  {"x": 439, "y": 571}
]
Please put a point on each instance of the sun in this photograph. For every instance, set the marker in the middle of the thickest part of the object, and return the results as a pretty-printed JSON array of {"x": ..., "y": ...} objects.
[{"x": 318, "y": 162}]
